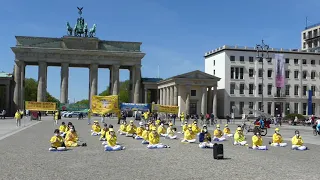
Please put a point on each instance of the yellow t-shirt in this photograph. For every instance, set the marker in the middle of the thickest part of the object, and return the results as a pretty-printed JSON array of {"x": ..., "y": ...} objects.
[{"x": 56, "y": 141}]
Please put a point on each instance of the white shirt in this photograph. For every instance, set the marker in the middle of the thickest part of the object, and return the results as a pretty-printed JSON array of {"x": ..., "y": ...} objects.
[{"x": 318, "y": 121}]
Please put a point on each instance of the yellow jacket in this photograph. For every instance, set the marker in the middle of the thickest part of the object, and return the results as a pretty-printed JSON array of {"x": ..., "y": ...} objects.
[
  {"x": 217, "y": 133},
  {"x": 123, "y": 128},
  {"x": 170, "y": 132},
  {"x": 71, "y": 136},
  {"x": 226, "y": 130},
  {"x": 63, "y": 128},
  {"x": 239, "y": 137},
  {"x": 154, "y": 138},
  {"x": 158, "y": 122},
  {"x": 96, "y": 128},
  {"x": 146, "y": 115},
  {"x": 195, "y": 129},
  {"x": 189, "y": 135},
  {"x": 56, "y": 116},
  {"x": 89, "y": 114},
  {"x": 256, "y": 141},
  {"x": 297, "y": 141},
  {"x": 277, "y": 138},
  {"x": 56, "y": 141},
  {"x": 185, "y": 127},
  {"x": 131, "y": 129},
  {"x": 104, "y": 133},
  {"x": 182, "y": 117},
  {"x": 139, "y": 131},
  {"x": 112, "y": 140},
  {"x": 17, "y": 115},
  {"x": 161, "y": 130},
  {"x": 151, "y": 126},
  {"x": 145, "y": 135}
]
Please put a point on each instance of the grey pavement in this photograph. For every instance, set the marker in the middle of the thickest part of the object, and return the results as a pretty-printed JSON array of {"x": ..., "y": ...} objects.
[{"x": 26, "y": 156}]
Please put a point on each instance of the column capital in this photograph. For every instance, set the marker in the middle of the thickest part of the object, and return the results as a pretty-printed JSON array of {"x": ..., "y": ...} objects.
[
  {"x": 93, "y": 66},
  {"x": 116, "y": 66},
  {"x": 137, "y": 65}
]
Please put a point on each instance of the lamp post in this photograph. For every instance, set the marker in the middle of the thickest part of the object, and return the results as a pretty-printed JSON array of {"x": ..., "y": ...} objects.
[{"x": 262, "y": 53}]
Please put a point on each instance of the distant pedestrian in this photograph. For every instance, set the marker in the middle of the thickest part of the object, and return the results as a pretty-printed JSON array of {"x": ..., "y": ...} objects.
[{"x": 17, "y": 116}]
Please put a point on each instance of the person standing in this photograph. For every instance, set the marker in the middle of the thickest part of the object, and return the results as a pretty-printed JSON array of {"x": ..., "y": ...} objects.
[
  {"x": 89, "y": 116},
  {"x": 17, "y": 116}
]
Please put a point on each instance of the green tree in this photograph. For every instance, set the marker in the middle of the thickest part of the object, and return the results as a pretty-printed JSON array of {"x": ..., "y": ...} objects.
[
  {"x": 84, "y": 102},
  {"x": 31, "y": 89}
]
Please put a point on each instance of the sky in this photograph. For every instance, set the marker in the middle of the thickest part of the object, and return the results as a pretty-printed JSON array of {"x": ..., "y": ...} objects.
[{"x": 175, "y": 34}]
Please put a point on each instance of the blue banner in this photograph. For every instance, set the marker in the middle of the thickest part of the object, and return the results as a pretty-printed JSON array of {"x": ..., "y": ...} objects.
[
  {"x": 310, "y": 102},
  {"x": 134, "y": 107}
]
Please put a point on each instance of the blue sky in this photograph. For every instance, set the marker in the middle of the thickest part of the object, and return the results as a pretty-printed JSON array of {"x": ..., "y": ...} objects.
[{"x": 175, "y": 34}]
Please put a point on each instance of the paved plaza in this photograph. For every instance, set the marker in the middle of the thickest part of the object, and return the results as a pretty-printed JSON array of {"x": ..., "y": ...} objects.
[{"x": 25, "y": 155}]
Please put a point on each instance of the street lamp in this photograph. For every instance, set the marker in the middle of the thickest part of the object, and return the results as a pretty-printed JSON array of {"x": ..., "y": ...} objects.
[{"x": 262, "y": 53}]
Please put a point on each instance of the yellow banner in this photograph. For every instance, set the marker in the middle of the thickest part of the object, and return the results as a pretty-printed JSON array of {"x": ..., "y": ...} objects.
[
  {"x": 165, "y": 109},
  {"x": 40, "y": 106},
  {"x": 104, "y": 104}
]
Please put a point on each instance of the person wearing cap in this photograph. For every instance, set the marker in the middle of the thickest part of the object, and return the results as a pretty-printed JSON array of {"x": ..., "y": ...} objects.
[
  {"x": 184, "y": 127},
  {"x": 139, "y": 131},
  {"x": 96, "y": 129},
  {"x": 217, "y": 134},
  {"x": 158, "y": 122},
  {"x": 63, "y": 129},
  {"x": 239, "y": 138},
  {"x": 72, "y": 138},
  {"x": 277, "y": 139},
  {"x": 205, "y": 138},
  {"x": 152, "y": 124},
  {"x": 182, "y": 118},
  {"x": 189, "y": 135},
  {"x": 104, "y": 133},
  {"x": 195, "y": 127},
  {"x": 145, "y": 135},
  {"x": 297, "y": 142},
  {"x": 257, "y": 142},
  {"x": 162, "y": 130},
  {"x": 131, "y": 129},
  {"x": 154, "y": 140},
  {"x": 56, "y": 141},
  {"x": 111, "y": 144},
  {"x": 123, "y": 128},
  {"x": 227, "y": 131},
  {"x": 171, "y": 132}
]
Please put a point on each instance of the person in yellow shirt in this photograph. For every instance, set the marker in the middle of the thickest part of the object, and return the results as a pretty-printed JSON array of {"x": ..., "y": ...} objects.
[
  {"x": 184, "y": 127},
  {"x": 171, "y": 132},
  {"x": 227, "y": 131},
  {"x": 158, "y": 122},
  {"x": 205, "y": 138},
  {"x": 145, "y": 135},
  {"x": 89, "y": 116},
  {"x": 297, "y": 142},
  {"x": 96, "y": 129},
  {"x": 162, "y": 130},
  {"x": 123, "y": 128},
  {"x": 182, "y": 118},
  {"x": 154, "y": 140},
  {"x": 17, "y": 116},
  {"x": 112, "y": 144},
  {"x": 56, "y": 117},
  {"x": 277, "y": 139},
  {"x": 189, "y": 135},
  {"x": 257, "y": 142},
  {"x": 131, "y": 129},
  {"x": 146, "y": 116},
  {"x": 104, "y": 132},
  {"x": 72, "y": 138},
  {"x": 56, "y": 141},
  {"x": 218, "y": 134},
  {"x": 195, "y": 127},
  {"x": 139, "y": 131},
  {"x": 239, "y": 138},
  {"x": 63, "y": 129},
  {"x": 152, "y": 124}
]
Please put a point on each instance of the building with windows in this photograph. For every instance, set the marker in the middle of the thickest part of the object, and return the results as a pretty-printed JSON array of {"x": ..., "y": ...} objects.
[
  {"x": 6, "y": 92},
  {"x": 310, "y": 38},
  {"x": 240, "y": 88}
]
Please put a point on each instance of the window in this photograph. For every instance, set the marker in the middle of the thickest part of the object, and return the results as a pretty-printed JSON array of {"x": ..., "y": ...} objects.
[
  {"x": 241, "y": 106},
  {"x": 250, "y": 59},
  {"x": 287, "y": 90},
  {"x": 269, "y": 107},
  {"x": 260, "y": 73},
  {"x": 260, "y": 106},
  {"x": 241, "y": 58},
  {"x": 237, "y": 73},
  {"x": 232, "y": 104},
  {"x": 232, "y": 87},
  {"x": 287, "y": 108},
  {"x": 278, "y": 93},
  {"x": 304, "y": 108},
  {"x": 232, "y": 73},
  {"x": 304, "y": 35},
  {"x": 304, "y": 74},
  {"x": 260, "y": 60},
  {"x": 304, "y": 90},
  {"x": 250, "y": 107},
  {"x": 251, "y": 88},
  {"x": 269, "y": 73},
  {"x": 296, "y": 108},
  {"x": 296, "y": 90},
  {"x": 313, "y": 108},
  {"x": 313, "y": 62},
  {"x": 313, "y": 75},
  {"x": 304, "y": 61},
  {"x": 214, "y": 72},
  {"x": 250, "y": 72},
  {"x": 241, "y": 89},
  {"x": 260, "y": 89},
  {"x": 296, "y": 61},
  {"x": 287, "y": 74},
  {"x": 214, "y": 62},
  {"x": 269, "y": 89},
  {"x": 296, "y": 74},
  {"x": 193, "y": 92},
  {"x": 313, "y": 89},
  {"x": 241, "y": 73},
  {"x": 287, "y": 60},
  {"x": 232, "y": 58}
]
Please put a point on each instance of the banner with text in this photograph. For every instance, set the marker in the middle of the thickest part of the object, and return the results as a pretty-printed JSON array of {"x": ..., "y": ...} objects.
[
  {"x": 279, "y": 69},
  {"x": 40, "y": 106},
  {"x": 165, "y": 109},
  {"x": 134, "y": 107},
  {"x": 105, "y": 104}
]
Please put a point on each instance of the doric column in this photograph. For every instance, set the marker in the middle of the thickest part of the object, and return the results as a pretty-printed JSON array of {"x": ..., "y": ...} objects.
[
  {"x": 17, "y": 85},
  {"x": 137, "y": 83},
  {"x": 204, "y": 101},
  {"x": 175, "y": 95},
  {"x": 132, "y": 83},
  {"x": 64, "y": 73},
  {"x": 7, "y": 106},
  {"x": 145, "y": 95},
  {"x": 93, "y": 81},
  {"x": 209, "y": 100},
  {"x": 187, "y": 102},
  {"x": 23, "y": 72},
  {"x": 171, "y": 95},
  {"x": 110, "y": 81},
  {"x": 42, "y": 81},
  {"x": 167, "y": 96},
  {"x": 214, "y": 103},
  {"x": 115, "y": 79},
  {"x": 161, "y": 96},
  {"x": 158, "y": 96}
]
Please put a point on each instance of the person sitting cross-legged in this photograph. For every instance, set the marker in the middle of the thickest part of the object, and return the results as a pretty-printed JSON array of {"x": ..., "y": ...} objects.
[
  {"x": 195, "y": 127},
  {"x": 239, "y": 138},
  {"x": 123, "y": 128},
  {"x": 131, "y": 129},
  {"x": 184, "y": 127},
  {"x": 227, "y": 131},
  {"x": 154, "y": 140},
  {"x": 112, "y": 144},
  {"x": 103, "y": 133},
  {"x": 96, "y": 129},
  {"x": 139, "y": 131},
  {"x": 297, "y": 142},
  {"x": 277, "y": 139},
  {"x": 189, "y": 135},
  {"x": 205, "y": 138},
  {"x": 63, "y": 129},
  {"x": 218, "y": 135},
  {"x": 257, "y": 142},
  {"x": 145, "y": 135},
  {"x": 72, "y": 138},
  {"x": 162, "y": 130},
  {"x": 171, "y": 132},
  {"x": 56, "y": 141}
]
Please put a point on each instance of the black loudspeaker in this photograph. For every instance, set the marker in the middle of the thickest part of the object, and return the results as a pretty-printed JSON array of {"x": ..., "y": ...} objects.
[{"x": 217, "y": 151}]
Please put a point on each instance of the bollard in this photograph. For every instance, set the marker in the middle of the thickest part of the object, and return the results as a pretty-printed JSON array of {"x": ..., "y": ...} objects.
[{"x": 217, "y": 151}]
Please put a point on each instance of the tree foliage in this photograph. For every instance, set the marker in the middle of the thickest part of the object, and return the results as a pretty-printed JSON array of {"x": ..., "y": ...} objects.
[{"x": 31, "y": 89}]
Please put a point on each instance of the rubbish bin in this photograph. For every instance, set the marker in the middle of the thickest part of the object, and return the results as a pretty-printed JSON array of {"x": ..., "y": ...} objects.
[{"x": 217, "y": 151}]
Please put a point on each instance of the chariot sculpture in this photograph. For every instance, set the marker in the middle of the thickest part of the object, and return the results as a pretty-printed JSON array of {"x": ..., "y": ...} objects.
[{"x": 81, "y": 28}]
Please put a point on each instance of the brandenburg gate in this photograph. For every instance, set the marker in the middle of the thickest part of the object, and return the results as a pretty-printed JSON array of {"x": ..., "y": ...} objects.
[{"x": 80, "y": 48}]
